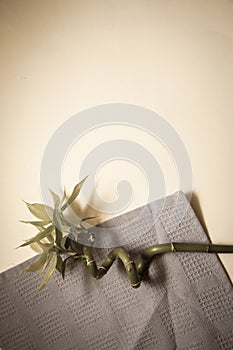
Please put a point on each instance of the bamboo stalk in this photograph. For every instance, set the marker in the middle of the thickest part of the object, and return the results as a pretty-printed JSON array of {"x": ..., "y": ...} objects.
[
  {"x": 119, "y": 253},
  {"x": 91, "y": 264},
  {"x": 135, "y": 271}
]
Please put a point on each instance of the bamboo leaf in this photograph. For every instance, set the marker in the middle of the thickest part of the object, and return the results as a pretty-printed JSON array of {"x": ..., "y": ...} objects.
[
  {"x": 41, "y": 211},
  {"x": 59, "y": 264},
  {"x": 48, "y": 259},
  {"x": 58, "y": 237},
  {"x": 85, "y": 219},
  {"x": 63, "y": 197},
  {"x": 56, "y": 213},
  {"x": 39, "y": 236},
  {"x": 57, "y": 219},
  {"x": 36, "y": 265},
  {"x": 89, "y": 218},
  {"x": 67, "y": 242},
  {"x": 37, "y": 223},
  {"x": 74, "y": 194},
  {"x": 58, "y": 227},
  {"x": 56, "y": 199},
  {"x": 64, "y": 267},
  {"x": 51, "y": 238},
  {"x": 62, "y": 243},
  {"x": 48, "y": 273},
  {"x": 40, "y": 228},
  {"x": 35, "y": 246},
  {"x": 46, "y": 247}
]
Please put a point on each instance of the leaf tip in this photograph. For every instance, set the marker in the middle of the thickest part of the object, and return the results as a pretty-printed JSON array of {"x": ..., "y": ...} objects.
[
  {"x": 18, "y": 247},
  {"x": 84, "y": 179}
]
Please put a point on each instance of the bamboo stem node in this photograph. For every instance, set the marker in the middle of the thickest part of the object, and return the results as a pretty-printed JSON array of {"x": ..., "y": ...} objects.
[
  {"x": 90, "y": 262},
  {"x": 173, "y": 249}
]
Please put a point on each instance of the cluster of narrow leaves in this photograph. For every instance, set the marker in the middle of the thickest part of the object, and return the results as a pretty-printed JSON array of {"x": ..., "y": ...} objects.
[{"x": 53, "y": 246}]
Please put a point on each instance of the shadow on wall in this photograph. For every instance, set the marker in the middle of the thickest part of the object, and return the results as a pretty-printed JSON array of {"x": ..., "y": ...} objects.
[
  {"x": 88, "y": 210},
  {"x": 195, "y": 204}
]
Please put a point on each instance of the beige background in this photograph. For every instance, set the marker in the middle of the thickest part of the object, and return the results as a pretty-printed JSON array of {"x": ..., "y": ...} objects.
[{"x": 61, "y": 57}]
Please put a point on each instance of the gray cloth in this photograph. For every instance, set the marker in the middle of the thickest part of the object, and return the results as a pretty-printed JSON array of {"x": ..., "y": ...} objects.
[{"x": 184, "y": 303}]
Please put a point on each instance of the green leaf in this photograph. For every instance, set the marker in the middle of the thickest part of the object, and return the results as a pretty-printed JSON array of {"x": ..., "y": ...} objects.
[
  {"x": 41, "y": 247},
  {"x": 57, "y": 219},
  {"x": 56, "y": 199},
  {"x": 35, "y": 246},
  {"x": 85, "y": 219},
  {"x": 74, "y": 194},
  {"x": 37, "y": 223},
  {"x": 41, "y": 211},
  {"x": 46, "y": 247},
  {"x": 40, "y": 228},
  {"x": 51, "y": 238},
  {"x": 64, "y": 196},
  {"x": 67, "y": 242},
  {"x": 48, "y": 273},
  {"x": 36, "y": 265},
  {"x": 58, "y": 237},
  {"x": 64, "y": 267},
  {"x": 48, "y": 259},
  {"x": 62, "y": 243},
  {"x": 39, "y": 236},
  {"x": 59, "y": 264},
  {"x": 58, "y": 227}
]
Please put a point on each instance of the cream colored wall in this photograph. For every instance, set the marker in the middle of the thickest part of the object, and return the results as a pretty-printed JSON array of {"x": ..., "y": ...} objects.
[{"x": 61, "y": 57}]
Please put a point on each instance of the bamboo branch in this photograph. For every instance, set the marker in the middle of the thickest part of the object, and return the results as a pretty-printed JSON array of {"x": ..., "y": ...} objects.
[
  {"x": 51, "y": 241},
  {"x": 135, "y": 271}
]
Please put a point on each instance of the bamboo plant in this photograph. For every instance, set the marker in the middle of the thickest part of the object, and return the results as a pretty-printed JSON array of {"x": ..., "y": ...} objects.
[{"x": 55, "y": 247}]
